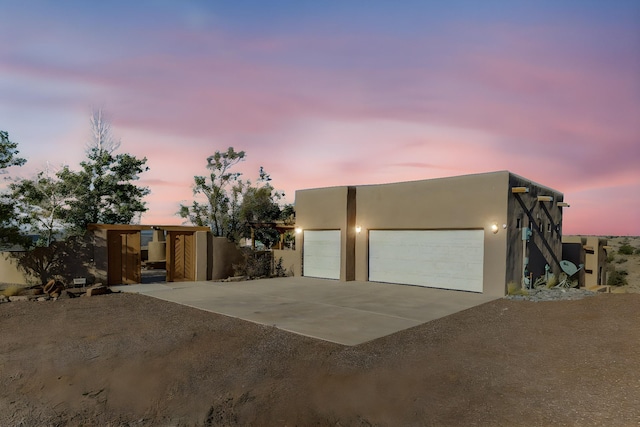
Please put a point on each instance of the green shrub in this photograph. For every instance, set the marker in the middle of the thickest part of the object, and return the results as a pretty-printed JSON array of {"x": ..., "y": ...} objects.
[
  {"x": 610, "y": 258},
  {"x": 617, "y": 278},
  {"x": 621, "y": 260},
  {"x": 626, "y": 249}
]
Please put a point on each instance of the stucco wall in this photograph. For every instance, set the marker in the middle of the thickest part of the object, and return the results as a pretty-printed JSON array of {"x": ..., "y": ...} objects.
[
  {"x": 11, "y": 273},
  {"x": 454, "y": 203},
  {"x": 590, "y": 251},
  {"x": 328, "y": 209},
  {"x": 291, "y": 260},
  {"x": 224, "y": 255},
  {"x": 599, "y": 262},
  {"x": 465, "y": 202}
]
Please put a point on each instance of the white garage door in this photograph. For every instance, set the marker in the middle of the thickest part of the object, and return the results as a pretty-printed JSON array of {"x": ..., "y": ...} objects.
[
  {"x": 321, "y": 254},
  {"x": 447, "y": 259}
]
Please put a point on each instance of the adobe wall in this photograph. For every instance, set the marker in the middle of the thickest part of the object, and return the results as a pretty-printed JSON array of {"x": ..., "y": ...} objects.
[
  {"x": 599, "y": 276},
  {"x": 291, "y": 261},
  {"x": 224, "y": 254},
  {"x": 329, "y": 209},
  {"x": 456, "y": 203},
  {"x": 11, "y": 273}
]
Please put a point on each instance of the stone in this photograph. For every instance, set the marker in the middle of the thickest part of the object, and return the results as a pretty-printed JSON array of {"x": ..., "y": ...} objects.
[
  {"x": 98, "y": 289},
  {"x": 18, "y": 298},
  {"x": 41, "y": 299}
]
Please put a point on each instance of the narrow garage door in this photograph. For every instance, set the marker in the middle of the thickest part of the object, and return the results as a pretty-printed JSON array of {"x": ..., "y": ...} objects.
[
  {"x": 321, "y": 254},
  {"x": 447, "y": 259}
]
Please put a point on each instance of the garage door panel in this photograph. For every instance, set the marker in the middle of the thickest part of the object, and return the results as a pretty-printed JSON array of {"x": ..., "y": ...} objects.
[
  {"x": 448, "y": 259},
  {"x": 321, "y": 254}
]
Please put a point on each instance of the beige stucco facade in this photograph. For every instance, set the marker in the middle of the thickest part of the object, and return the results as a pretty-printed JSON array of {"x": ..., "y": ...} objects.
[
  {"x": 591, "y": 252},
  {"x": 10, "y": 272},
  {"x": 471, "y": 202}
]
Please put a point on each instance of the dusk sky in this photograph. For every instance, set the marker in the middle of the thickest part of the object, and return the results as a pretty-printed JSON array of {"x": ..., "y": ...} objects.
[{"x": 325, "y": 93}]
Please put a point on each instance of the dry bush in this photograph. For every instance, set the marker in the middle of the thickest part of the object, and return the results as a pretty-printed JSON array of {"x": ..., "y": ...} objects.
[
  {"x": 514, "y": 289},
  {"x": 12, "y": 290}
]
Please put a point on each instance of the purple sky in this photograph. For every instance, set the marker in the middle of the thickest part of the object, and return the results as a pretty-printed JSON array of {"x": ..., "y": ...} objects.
[{"x": 338, "y": 93}]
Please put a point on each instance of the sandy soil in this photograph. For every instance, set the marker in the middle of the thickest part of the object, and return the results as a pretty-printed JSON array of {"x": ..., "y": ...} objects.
[
  {"x": 628, "y": 263},
  {"x": 130, "y": 360}
]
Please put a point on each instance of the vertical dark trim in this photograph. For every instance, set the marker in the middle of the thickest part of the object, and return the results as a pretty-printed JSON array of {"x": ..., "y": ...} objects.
[{"x": 350, "y": 250}]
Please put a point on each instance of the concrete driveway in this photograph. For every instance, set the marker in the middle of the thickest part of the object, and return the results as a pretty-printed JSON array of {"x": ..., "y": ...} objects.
[{"x": 348, "y": 313}]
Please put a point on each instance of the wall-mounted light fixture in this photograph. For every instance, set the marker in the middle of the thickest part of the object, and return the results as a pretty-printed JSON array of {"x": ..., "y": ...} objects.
[
  {"x": 298, "y": 230},
  {"x": 358, "y": 229},
  {"x": 494, "y": 228}
]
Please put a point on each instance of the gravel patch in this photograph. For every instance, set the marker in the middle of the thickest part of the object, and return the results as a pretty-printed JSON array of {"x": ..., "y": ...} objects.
[{"x": 553, "y": 294}]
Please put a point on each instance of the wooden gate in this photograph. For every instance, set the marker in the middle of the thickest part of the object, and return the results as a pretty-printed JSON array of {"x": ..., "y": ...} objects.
[
  {"x": 123, "y": 257},
  {"x": 181, "y": 260}
]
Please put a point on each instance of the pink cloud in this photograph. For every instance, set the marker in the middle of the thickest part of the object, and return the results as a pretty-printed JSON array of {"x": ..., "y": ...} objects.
[{"x": 335, "y": 110}]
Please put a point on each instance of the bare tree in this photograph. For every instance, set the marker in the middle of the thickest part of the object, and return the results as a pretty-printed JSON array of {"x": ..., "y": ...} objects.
[{"x": 102, "y": 139}]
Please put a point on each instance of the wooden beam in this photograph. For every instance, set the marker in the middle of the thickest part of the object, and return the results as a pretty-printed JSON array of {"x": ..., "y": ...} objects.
[
  {"x": 519, "y": 189},
  {"x": 563, "y": 205},
  {"x": 545, "y": 198}
]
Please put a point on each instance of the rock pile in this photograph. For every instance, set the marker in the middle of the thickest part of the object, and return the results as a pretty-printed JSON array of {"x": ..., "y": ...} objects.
[{"x": 52, "y": 291}]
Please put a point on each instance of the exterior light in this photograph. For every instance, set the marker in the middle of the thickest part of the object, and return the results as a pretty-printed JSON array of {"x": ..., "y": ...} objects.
[
  {"x": 494, "y": 228},
  {"x": 358, "y": 229},
  {"x": 298, "y": 230}
]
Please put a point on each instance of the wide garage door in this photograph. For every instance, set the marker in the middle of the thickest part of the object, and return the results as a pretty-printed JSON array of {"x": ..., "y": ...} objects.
[
  {"x": 447, "y": 259},
  {"x": 321, "y": 251}
]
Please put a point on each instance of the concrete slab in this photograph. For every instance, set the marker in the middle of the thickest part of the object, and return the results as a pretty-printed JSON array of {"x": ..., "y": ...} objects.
[{"x": 348, "y": 313}]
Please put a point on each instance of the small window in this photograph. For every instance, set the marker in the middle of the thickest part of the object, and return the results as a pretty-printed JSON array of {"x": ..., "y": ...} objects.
[
  {"x": 540, "y": 225},
  {"x": 588, "y": 271},
  {"x": 519, "y": 223},
  {"x": 549, "y": 228}
]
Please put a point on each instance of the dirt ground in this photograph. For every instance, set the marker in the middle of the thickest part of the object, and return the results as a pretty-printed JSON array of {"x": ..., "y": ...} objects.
[
  {"x": 628, "y": 263},
  {"x": 130, "y": 360}
]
